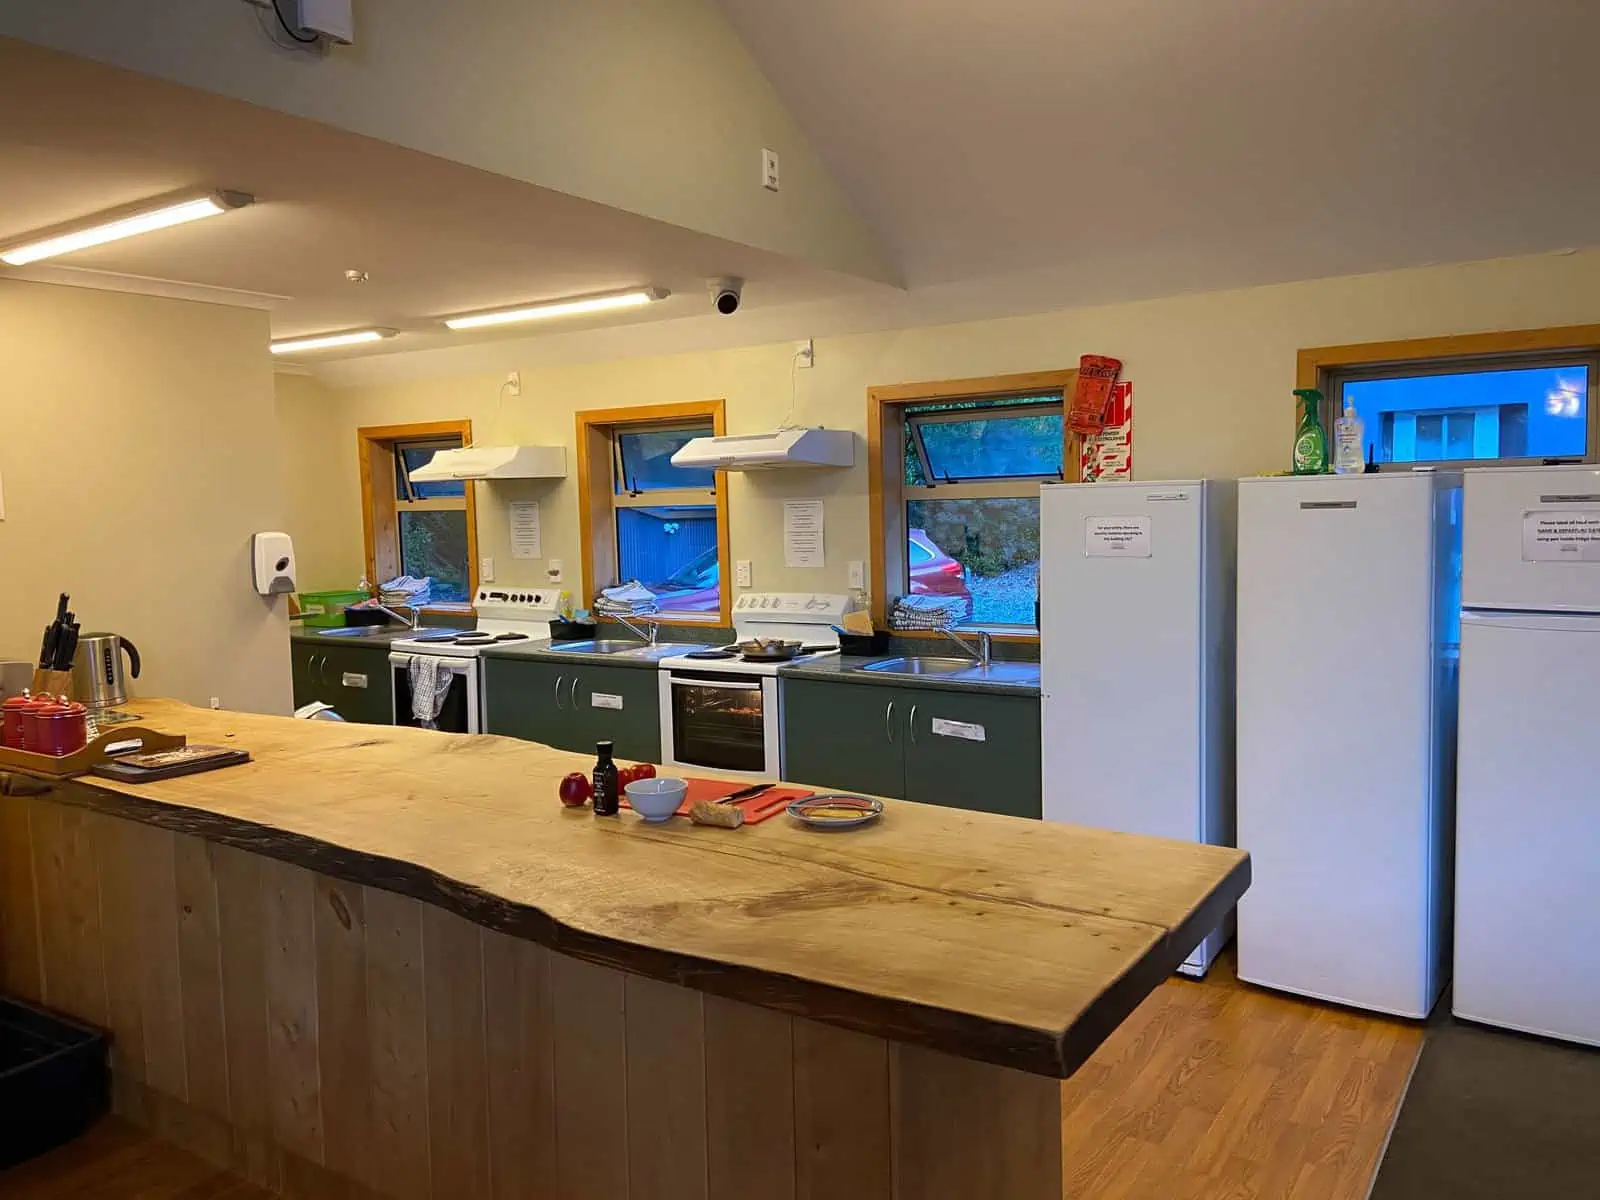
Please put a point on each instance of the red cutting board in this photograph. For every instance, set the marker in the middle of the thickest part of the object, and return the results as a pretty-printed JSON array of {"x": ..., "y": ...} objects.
[{"x": 756, "y": 809}]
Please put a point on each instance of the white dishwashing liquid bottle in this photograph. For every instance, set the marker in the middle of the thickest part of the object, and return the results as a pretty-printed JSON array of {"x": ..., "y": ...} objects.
[{"x": 1347, "y": 442}]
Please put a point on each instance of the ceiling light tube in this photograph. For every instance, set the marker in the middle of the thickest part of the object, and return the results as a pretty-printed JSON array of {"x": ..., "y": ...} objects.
[
  {"x": 637, "y": 298},
  {"x": 144, "y": 219},
  {"x": 329, "y": 341}
]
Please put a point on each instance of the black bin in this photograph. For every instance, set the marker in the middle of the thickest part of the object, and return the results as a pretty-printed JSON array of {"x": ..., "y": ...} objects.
[{"x": 54, "y": 1080}]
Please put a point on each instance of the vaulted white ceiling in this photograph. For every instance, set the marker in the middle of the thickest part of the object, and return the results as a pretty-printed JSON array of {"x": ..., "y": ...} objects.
[{"x": 1157, "y": 146}]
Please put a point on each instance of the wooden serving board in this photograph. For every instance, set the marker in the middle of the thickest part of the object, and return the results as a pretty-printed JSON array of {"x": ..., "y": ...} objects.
[
  {"x": 757, "y": 808},
  {"x": 80, "y": 762}
]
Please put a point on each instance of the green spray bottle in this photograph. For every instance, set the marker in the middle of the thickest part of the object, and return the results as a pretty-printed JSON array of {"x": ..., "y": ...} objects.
[{"x": 1310, "y": 438}]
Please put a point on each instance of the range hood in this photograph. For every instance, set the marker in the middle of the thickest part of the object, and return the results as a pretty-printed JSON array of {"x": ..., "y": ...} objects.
[
  {"x": 494, "y": 462},
  {"x": 765, "y": 451}
]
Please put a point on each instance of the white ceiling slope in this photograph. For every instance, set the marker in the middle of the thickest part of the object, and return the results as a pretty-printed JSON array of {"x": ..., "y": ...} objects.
[
  {"x": 650, "y": 106},
  {"x": 1158, "y": 146},
  {"x": 435, "y": 237}
]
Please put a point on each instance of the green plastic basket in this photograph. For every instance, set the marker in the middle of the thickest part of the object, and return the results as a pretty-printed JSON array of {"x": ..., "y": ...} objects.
[{"x": 327, "y": 608}]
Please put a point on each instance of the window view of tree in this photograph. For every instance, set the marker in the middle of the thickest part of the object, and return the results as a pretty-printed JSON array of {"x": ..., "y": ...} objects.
[{"x": 433, "y": 523}]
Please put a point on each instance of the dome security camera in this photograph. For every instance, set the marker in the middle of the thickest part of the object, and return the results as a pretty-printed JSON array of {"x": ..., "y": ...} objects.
[{"x": 726, "y": 294}]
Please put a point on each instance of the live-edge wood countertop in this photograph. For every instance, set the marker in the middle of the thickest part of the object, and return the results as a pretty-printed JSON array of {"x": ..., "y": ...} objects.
[{"x": 993, "y": 938}]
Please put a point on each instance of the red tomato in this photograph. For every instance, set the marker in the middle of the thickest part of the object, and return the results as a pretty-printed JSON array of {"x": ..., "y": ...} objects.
[
  {"x": 645, "y": 771},
  {"x": 626, "y": 775},
  {"x": 576, "y": 790}
]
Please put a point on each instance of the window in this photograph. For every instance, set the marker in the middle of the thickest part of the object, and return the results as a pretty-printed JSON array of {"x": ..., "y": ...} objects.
[
  {"x": 1524, "y": 396},
  {"x": 414, "y": 527},
  {"x": 645, "y": 519},
  {"x": 957, "y": 508}
]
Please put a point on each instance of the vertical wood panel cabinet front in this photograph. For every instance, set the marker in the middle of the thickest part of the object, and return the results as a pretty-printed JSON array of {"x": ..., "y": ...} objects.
[
  {"x": 354, "y": 679},
  {"x": 881, "y": 741},
  {"x": 571, "y": 706}
]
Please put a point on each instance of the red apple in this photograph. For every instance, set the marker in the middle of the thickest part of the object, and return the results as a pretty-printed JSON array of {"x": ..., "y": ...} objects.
[{"x": 576, "y": 790}]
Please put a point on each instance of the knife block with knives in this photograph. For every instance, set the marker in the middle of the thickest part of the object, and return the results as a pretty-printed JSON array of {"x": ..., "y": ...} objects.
[{"x": 54, "y": 673}]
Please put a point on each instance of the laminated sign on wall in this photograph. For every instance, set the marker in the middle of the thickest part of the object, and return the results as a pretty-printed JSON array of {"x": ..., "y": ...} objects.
[
  {"x": 1116, "y": 537},
  {"x": 1109, "y": 453},
  {"x": 1554, "y": 535}
]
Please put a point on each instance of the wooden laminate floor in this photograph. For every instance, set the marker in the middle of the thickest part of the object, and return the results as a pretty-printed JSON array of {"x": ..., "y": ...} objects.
[
  {"x": 1216, "y": 1090},
  {"x": 1213, "y": 1090}
]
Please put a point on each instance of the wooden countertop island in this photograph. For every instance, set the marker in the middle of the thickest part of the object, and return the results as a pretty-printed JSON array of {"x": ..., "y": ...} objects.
[{"x": 386, "y": 962}]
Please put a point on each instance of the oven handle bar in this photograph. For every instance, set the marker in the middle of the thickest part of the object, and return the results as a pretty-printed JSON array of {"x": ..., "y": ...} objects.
[{"x": 726, "y": 685}]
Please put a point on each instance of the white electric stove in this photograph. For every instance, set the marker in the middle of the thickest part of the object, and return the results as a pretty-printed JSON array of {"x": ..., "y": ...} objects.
[
  {"x": 721, "y": 710},
  {"x": 504, "y": 615}
]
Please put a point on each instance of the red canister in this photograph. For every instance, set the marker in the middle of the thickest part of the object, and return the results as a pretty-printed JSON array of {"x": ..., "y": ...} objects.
[
  {"x": 61, "y": 729},
  {"x": 11, "y": 711},
  {"x": 41, "y": 706}
]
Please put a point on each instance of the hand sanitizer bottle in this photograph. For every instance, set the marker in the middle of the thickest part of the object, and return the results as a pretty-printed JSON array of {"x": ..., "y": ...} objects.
[{"x": 1347, "y": 442}]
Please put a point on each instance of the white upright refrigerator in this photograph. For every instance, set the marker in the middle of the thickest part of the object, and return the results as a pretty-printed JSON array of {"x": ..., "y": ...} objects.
[
  {"x": 1528, "y": 819},
  {"x": 1347, "y": 654},
  {"x": 1136, "y": 640}
]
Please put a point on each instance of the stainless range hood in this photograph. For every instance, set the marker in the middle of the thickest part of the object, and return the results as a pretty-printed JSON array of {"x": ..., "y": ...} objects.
[
  {"x": 494, "y": 462},
  {"x": 768, "y": 451}
]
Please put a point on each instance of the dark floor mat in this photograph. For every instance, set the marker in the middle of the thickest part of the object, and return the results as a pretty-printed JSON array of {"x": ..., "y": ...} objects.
[{"x": 1491, "y": 1116}]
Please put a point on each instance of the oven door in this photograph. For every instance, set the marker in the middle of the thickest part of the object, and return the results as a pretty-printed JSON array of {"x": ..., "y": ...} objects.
[
  {"x": 461, "y": 708},
  {"x": 722, "y": 722}
]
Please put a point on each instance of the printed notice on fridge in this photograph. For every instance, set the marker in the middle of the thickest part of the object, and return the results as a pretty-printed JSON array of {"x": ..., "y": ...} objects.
[
  {"x": 802, "y": 533},
  {"x": 1116, "y": 537},
  {"x": 1553, "y": 535},
  {"x": 525, "y": 529}
]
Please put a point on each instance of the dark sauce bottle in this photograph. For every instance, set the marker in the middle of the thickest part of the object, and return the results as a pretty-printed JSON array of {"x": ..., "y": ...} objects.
[{"x": 606, "y": 797}]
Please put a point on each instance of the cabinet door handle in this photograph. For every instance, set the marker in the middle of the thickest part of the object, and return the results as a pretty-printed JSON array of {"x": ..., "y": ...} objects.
[
  {"x": 911, "y": 724},
  {"x": 560, "y": 679},
  {"x": 573, "y": 695},
  {"x": 888, "y": 723},
  {"x": 322, "y": 671}
]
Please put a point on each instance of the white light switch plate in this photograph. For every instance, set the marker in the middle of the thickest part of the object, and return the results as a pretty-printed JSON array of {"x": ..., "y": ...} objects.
[
  {"x": 741, "y": 570},
  {"x": 858, "y": 573},
  {"x": 486, "y": 570},
  {"x": 554, "y": 569}
]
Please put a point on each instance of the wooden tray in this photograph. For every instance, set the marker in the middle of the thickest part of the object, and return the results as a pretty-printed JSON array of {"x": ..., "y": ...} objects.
[{"x": 79, "y": 762}]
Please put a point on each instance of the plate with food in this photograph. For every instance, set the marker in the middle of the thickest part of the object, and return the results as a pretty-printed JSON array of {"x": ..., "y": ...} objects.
[{"x": 836, "y": 810}]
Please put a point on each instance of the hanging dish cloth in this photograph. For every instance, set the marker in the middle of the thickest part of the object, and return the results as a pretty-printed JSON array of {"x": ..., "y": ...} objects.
[{"x": 430, "y": 684}]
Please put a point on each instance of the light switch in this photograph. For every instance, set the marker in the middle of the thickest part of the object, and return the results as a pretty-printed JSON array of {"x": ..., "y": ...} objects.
[
  {"x": 858, "y": 574},
  {"x": 486, "y": 570},
  {"x": 741, "y": 572}
]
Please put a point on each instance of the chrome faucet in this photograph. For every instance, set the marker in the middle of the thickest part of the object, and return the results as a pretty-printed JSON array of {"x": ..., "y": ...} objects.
[
  {"x": 984, "y": 652},
  {"x": 410, "y": 622},
  {"x": 648, "y": 633}
]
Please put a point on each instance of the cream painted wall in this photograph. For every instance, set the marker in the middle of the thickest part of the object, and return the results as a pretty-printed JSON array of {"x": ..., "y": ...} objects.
[
  {"x": 138, "y": 452},
  {"x": 1212, "y": 376}
]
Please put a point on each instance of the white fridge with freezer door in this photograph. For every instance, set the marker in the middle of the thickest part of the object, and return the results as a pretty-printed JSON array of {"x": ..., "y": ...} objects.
[
  {"x": 1528, "y": 816},
  {"x": 1136, "y": 641},
  {"x": 1347, "y": 651}
]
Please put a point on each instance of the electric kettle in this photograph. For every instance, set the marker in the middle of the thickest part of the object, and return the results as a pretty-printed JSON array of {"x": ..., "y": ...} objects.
[{"x": 97, "y": 678}]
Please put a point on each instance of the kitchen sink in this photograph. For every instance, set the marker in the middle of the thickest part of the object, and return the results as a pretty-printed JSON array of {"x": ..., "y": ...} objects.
[
  {"x": 921, "y": 666},
  {"x": 623, "y": 646},
  {"x": 965, "y": 669},
  {"x": 355, "y": 631}
]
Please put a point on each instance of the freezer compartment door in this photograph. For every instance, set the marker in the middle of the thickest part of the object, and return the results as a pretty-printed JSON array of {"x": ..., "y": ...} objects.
[
  {"x": 1337, "y": 797},
  {"x": 1532, "y": 539},
  {"x": 1528, "y": 826},
  {"x": 1121, "y": 647}
]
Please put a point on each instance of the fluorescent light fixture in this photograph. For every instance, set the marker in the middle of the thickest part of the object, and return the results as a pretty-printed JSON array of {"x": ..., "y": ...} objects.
[
  {"x": 637, "y": 298},
  {"x": 328, "y": 341},
  {"x": 141, "y": 220}
]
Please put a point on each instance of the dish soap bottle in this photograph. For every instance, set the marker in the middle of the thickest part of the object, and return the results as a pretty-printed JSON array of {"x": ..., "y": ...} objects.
[
  {"x": 1348, "y": 434},
  {"x": 1310, "y": 438}
]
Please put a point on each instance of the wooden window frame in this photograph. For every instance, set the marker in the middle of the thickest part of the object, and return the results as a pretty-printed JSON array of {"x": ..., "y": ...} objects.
[
  {"x": 1319, "y": 366},
  {"x": 886, "y": 407},
  {"x": 598, "y": 501},
  {"x": 380, "y": 511}
]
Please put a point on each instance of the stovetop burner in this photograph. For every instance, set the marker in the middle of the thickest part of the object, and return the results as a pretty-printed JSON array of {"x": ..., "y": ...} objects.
[
  {"x": 510, "y": 637},
  {"x": 718, "y": 652}
]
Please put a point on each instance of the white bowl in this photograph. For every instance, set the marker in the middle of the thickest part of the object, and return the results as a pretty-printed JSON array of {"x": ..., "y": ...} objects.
[{"x": 656, "y": 799}]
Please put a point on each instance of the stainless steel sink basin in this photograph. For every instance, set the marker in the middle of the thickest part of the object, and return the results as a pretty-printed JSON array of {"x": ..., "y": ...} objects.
[
  {"x": 965, "y": 669},
  {"x": 921, "y": 666},
  {"x": 622, "y": 646},
  {"x": 355, "y": 631}
]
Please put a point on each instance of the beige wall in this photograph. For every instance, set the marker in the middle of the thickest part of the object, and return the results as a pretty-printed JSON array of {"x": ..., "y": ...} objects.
[
  {"x": 1212, "y": 376},
  {"x": 138, "y": 452}
]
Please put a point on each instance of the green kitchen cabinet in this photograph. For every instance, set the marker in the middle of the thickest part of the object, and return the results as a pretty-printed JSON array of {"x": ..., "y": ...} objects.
[
  {"x": 354, "y": 679},
  {"x": 573, "y": 705},
  {"x": 961, "y": 749},
  {"x": 845, "y": 736}
]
